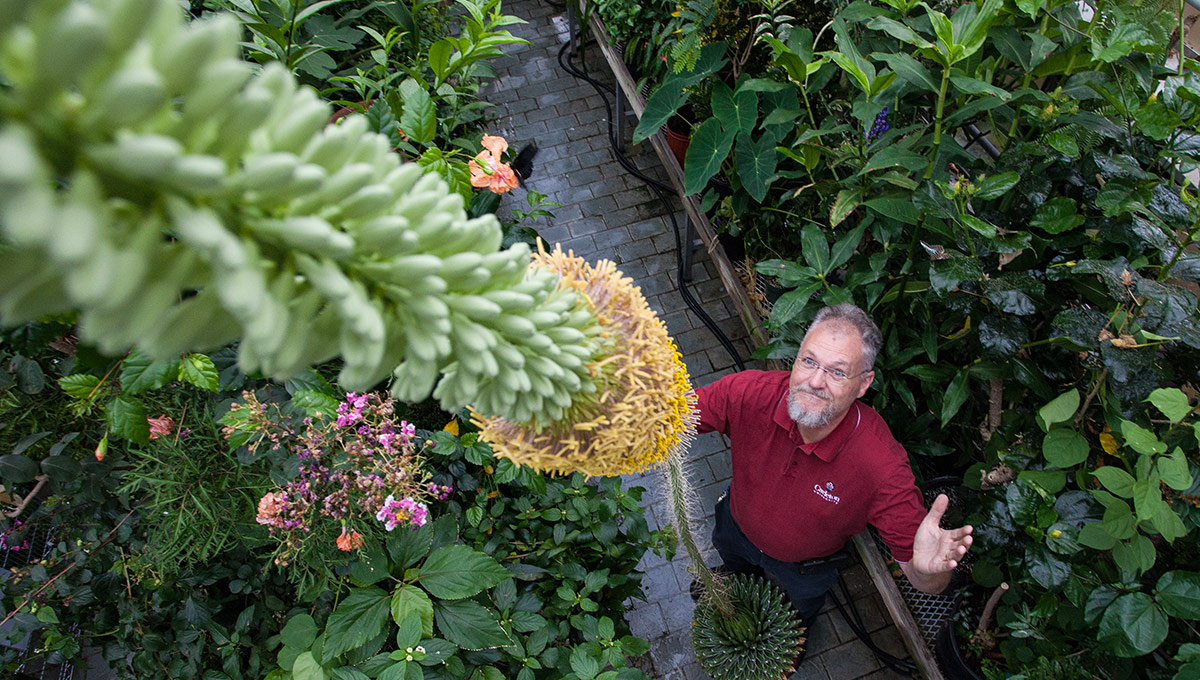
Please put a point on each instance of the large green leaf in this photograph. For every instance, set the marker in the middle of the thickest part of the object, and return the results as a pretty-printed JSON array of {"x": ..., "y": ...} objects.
[
  {"x": 306, "y": 668},
  {"x": 956, "y": 396},
  {"x": 1173, "y": 470},
  {"x": 756, "y": 161},
  {"x": 199, "y": 370},
  {"x": 995, "y": 186},
  {"x": 126, "y": 417},
  {"x": 1064, "y": 448},
  {"x": 900, "y": 32},
  {"x": 736, "y": 111},
  {"x": 299, "y": 632},
  {"x": 1094, "y": 535},
  {"x": 1014, "y": 292},
  {"x": 1133, "y": 625},
  {"x": 140, "y": 373},
  {"x": 1172, "y": 402},
  {"x": 469, "y": 625},
  {"x": 1136, "y": 555},
  {"x": 409, "y": 599},
  {"x": 815, "y": 247},
  {"x": 911, "y": 70},
  {"x": 895, "y": 157},
  {"x": 976, "y": 86},
  {"x": 356, "y": 620},
  {"x": 948, "y": 273},
  {"x": 1140, "y": 439},
  {"x": 455, "y": 571},
  {"x": 418, "y": 120},
  {"x": 79, "y": 385},
  {"x": 17, "y": 469},
  {"x": 1057, "y": 215},
  {"x": 1002, "y": 336},
  {"x": 1115, "y": 480},
  {"x": 663, "y": 104},
  {"x": 408, "y": 547},
  {"x": 1049, "y": 570},
  {"x": 708, "y": 149},
  {"x": 792, "y": 303},
  {"x": 845, "y": 203},
  {"x": 1061, "y": 409},
  {"x": 1179, "y": 593}
]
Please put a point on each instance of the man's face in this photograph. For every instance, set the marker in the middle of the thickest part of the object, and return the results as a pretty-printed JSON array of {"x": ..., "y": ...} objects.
[{"x": 815, "y": 398}]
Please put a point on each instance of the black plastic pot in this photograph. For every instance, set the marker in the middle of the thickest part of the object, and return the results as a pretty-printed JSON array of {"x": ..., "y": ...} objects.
[{"x": 950, "y": 658}]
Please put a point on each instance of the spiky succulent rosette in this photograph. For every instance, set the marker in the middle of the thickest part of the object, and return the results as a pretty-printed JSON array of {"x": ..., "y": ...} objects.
[
  {"x": 757, "y": 637},
  {"x": 643, "y": 407}
]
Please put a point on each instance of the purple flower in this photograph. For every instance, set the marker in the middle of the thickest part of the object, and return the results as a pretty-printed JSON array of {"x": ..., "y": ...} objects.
[{"x": 880, "y": 126}]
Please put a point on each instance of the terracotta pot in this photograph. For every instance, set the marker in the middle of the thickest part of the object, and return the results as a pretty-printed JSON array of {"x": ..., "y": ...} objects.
[{"x": 678, "y": 137}]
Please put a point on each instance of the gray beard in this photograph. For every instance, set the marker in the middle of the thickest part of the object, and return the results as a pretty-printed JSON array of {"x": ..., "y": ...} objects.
[{"x": 811, "y": 419}]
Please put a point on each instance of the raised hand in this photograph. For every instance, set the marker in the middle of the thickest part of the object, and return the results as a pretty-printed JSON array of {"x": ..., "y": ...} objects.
[{"x": 936, "y": 551}]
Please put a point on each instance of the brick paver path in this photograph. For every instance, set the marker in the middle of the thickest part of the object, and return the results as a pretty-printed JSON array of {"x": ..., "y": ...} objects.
[{"x": 607, "y": 213}]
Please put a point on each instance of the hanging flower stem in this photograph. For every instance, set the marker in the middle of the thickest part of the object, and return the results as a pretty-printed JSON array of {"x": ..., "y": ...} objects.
[{"x": 677, "y": 482}]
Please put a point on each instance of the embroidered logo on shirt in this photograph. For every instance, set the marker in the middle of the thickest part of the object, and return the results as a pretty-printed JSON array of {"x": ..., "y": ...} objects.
[{"x": 826, "y": 493}]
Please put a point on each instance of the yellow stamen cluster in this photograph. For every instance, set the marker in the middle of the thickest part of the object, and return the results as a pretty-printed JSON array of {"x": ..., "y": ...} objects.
[{"x": 645, "y": 408}]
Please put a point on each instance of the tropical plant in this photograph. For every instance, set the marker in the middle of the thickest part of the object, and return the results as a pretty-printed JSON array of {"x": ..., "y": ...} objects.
[
  {"x": 758, "y": 638},
  {"x": 506, "y": 590}
]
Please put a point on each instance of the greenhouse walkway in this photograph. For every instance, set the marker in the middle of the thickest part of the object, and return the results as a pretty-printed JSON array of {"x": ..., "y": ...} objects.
[{"x": 607, "y": 213}]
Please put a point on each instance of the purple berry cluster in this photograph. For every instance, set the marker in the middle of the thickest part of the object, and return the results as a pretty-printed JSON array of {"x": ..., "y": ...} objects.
[{"x": 880, "y": 126}]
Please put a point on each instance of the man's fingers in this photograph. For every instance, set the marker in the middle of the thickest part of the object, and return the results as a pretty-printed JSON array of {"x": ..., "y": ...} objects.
[{"x": 939, "y": 508}]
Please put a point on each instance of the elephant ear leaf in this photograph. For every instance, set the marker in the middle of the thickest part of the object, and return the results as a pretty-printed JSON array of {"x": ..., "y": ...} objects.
[{"x": 709, "y": 148}]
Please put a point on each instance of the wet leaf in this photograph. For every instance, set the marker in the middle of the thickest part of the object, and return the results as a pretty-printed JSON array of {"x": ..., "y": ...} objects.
[
  {"x": 1082, "y": 325},
  {"x": 947, "y": 274},
  {"x": 1002, "y": 336},
  {"x": 1057, "y": 215},
  {"x": 1179, "y": 594},
  {"x": 1049, "y": 570},
  {"x": 1014, "y": 292}
]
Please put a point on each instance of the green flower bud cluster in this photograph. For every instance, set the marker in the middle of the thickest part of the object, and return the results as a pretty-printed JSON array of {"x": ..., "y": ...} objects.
[{"x": 178, "y": 201}]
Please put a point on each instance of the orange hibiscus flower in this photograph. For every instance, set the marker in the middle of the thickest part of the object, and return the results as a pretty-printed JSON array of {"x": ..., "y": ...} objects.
[
  {"x": 348, "y": 541},
  {"x": 486, "y": 169}
]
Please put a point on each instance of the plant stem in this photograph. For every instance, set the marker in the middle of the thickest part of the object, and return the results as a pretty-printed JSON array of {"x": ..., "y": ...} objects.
[
  {"x": 986, "y": 620},
  {"x": 1166, "y": 271},
  {"x": 678, "y": 486},
  {"x": 1091, "y": 395},
  {"x": 937, "y": 123}
]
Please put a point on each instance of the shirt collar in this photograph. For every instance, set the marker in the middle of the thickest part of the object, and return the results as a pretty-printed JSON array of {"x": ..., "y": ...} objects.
[{"x": 828, "y": 448}]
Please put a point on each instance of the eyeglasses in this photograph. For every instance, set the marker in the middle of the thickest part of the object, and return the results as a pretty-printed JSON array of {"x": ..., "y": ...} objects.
[{"x": 837, "y": 375}]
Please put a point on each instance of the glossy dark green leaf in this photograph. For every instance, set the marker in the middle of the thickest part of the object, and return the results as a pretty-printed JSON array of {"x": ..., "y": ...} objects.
[
  {"x": 61, "y": 468},
  {"x": 1081, "y": 324},
  {"x": 1062, "y": 538},
  {"x": 1178, "y": 592},
  {"x": 1133, "y": 625},
  {"x": 1046, "y": 568},
  {"x": 1023, "y": 502},
  {"x": 469, "y": 625},
  {"x": 1097, "y": 601},
  {"x": 737, "y": 112},
  {"x": 1156, "y": 121},
  {"x": 708, "y": 149},
  {"x": 948, "y": 274},
  {"x": 1119, "y": 197},
  {"x": 406, "y": 548},
  {"x": 126, "y": 418},
  {"x": 1057, "y": 215},
  {"x": 1002, "y": 336},
  {"x": 30, "y": 377},
  {"x": 1014, "y": 292},
  {"x": 791, "y": 303},
  {"x": 17, "y": 469}
]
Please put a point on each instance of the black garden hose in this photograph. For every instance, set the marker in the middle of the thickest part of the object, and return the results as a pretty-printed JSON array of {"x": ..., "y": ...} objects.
[{"x": 658, "y": 188}]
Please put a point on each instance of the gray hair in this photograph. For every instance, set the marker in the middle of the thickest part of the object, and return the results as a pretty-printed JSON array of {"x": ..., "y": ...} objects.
[{"x": 850, "y": 315}]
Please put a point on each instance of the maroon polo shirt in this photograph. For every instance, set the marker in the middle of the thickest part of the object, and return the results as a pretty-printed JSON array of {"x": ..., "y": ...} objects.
[{"x": 797, "y": 501}]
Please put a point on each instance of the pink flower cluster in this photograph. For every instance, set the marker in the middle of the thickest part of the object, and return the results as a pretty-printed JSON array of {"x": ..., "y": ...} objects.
[
  {"x": 355, "y": 466},
  {"x": 405, "y": 511}
]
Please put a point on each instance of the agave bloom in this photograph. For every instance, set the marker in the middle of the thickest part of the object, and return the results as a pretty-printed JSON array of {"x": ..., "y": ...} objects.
[
  {"x": 643, "y": 408},
  {"x": 486, "y": 169}
]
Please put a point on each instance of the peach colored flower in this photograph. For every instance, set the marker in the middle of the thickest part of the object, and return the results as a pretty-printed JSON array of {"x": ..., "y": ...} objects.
[
  {"x": 161, "y": 426},
  {"x": 270, "y": 509},
  {"x": 349, "y": 540},
  {"x": 486, "y": 169}
]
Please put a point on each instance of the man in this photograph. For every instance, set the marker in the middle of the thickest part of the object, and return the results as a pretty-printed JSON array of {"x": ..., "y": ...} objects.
[{"x": 812, "y": 466}]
